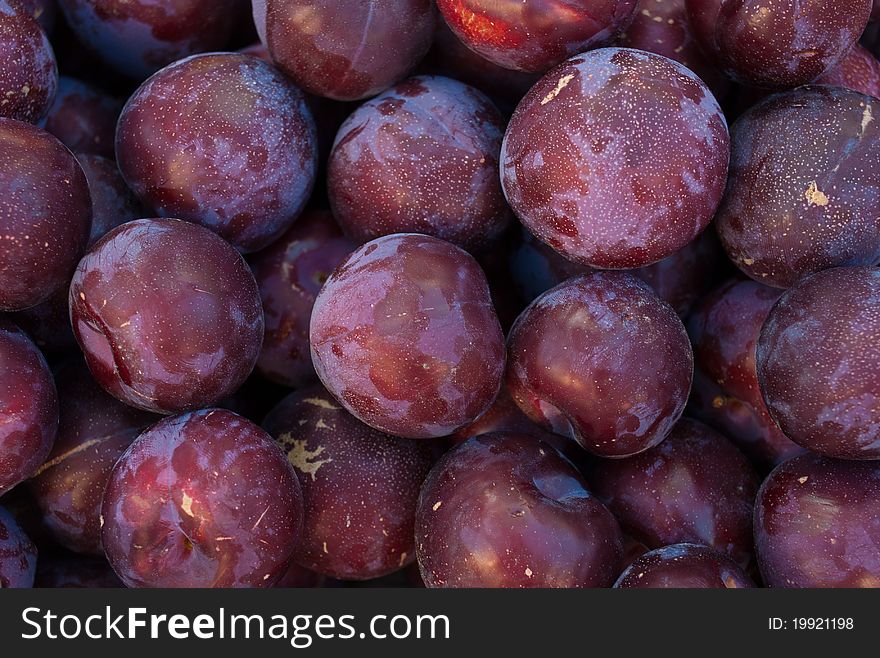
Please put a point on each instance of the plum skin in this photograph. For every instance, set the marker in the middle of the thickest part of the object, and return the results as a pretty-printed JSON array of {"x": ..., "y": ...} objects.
[
  {"x": 360, "y": 49},
  {"x": 617, "y": 158},
  {"x": 422, "y": 157},
  {"x": 507, "y": 510},
  {"x": 95, "y": 429},
  {"x": 634, "y": 358},
  {"x": 83, "y": 117},
  {"x": 684, "y": 566},
  {"x": 238, "y": 155},
  {"x": 45, "y": 214},
  {"x": 28, "y": 406},
  {"x": 404, "y": 335},
  {"x": 289, "y": 273},
  {"x": 168, "y": 315},
  {"x": 830, "y": 321},
  {"x": 800, "y": 197},
  {"x": 28, "y": 70},
  {"x": 816, "y": 524},
  {"x": 18, "y": 555},
  {"x": 360, "y": 487},
  {"x": 204, "y": 499}
]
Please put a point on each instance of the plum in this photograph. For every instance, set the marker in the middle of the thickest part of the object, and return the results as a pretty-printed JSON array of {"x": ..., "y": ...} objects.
[
  {"x": 83, "y": 117},
  {"x": 535, "y": 36},
  {"x": 28, "y": 406},
  {"x": 507, "y": 510},
  {"x": 139, "y": 37},
  {"x": 223, "y": 140},
  {"x": 816, "y": 524},
  {"x": 421, "y": 157},
  {"x": 204, "y": 499},
  {"x": 801, "y": 198},
  {"x": 18, "y": 555},
  {"x": 617, "y": 158},
  {"x": 28, "y": 70},
  {"x": 45, "y": 214},
  {"x": 695, "y": 487},
  {"x": 345, "y": 49},
  {"x": 95, "y": 429},
  {"x": 818, "y": 361},
  {"x": 684, "y": 566},
  {"x": 601, "y": 359},
  {"x": 858, "y": 71},
  {"x": 360, "y": 487},
  {"x": 404, "y": 335},
  {"x": 289, "y": 274},
  {"x": 167, "y": 314}
]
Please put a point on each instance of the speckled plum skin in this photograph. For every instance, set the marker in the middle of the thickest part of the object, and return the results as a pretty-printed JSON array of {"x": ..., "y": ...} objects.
[
  {"x": 601, "y": 359},
  {"x": 684, "y": 566},
  {"x": 28, "y": 406},
  {"x": 778, "y": 43},
  {"x": 536, "y": 35},
  {"x": 95, "y": 429},
  {"x": 404, "y": 335},
  {"x": 662, "y": 27},
  {"x": 290, "y": 273},
  {"x": 205, "y": 499},
  {"x": 28, "y": 71},
  {"x": 858, "y": 71},
  {"x": 346, "y": 50},
  {"x": 818, "y": 361},
  {"x": 360, "y": 487},
  {"x": 422, "y": 157},
  {"x": 138, "y": 37},
  {"x": 617, "y": 158},
  {"x": 724, "y": 330},
  {"x": 816, "y": 524},
  {"x": 83, "y": 117},
  {"x": 167, "y": 314},
  {"x": 45, "y": 215},
  {"x": 18, "y": 555},
  {"x": 802, "y": 195},
  {"x": 507, "y": 510},
  {"x": 223, "y": 140},
  {"x": 695, "y": 487}
]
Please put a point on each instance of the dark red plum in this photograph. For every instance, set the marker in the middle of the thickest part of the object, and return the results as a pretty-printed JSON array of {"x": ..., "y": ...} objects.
[
  {"x": 816, "y": 524},
  {"x": 346, "y": 50},
  {"x": 45, "y": 214},
  {"x": 695, "y": 487},
  {"x": 223, "y": 140},
  {"x": 75, "y": 572},
  {"x": 95, "y": 429},
  {"x": 724, "y": 329},
  {"x": 167, "y": 314},
  {"x": 205, "y": 499},
  {"x": 83, "y": 117},
  {"x": 28, "y": 71},
  {"x": 404, "y": 335},
  {"x": 662, "y": 27},
  {"x": 617, "y": 158},
  {"x": 684, "y": 566},
  {"x": 507, "y": 510},
  {"x": 601, "y": 359},
  {"x": 139, "y": 37},
  {"x": 422, "y": 157},
  {"x": 778, "y": 44},
  {"x": 360, "y": 487},
  {"x": 290, "y": 273},
  {"x": 28, "y": 406},
  {"x": 859, "y": 71},
  {"x": 818, "y": 361},
  {"x": 297, "y": 577},
  {"x": 535, "y": 36},
  {"x": 801, "y": 197},
  {"x": 18, "y": 555},
  {"x": 451, "y": 58}
]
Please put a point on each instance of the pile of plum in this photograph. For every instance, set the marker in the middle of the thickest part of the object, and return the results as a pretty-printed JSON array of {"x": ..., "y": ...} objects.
[{"x": 444, "y": 293}]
